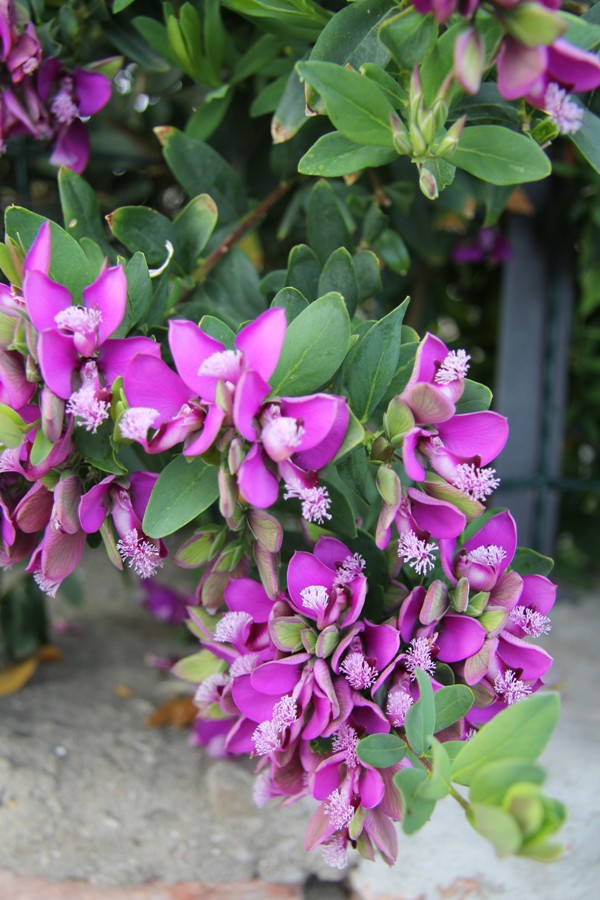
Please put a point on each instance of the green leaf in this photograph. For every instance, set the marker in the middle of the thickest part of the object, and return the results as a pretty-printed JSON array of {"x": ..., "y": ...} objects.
[
  {"x": 193, "y": 227},
  {"x": 390, "y": 247},
  {"x": 133, "y": 44},
  {"x": 69, "y": 266},
  {"x": 587, "y": 139},
  {"x": 292, "y": 301},
  {"x": 290, "y": 114},
  {"x": 201, "y": 170},
  {"x": 198, "y": 667},
  {"x": 581, "y": 31},
  {"x": 343, "y": 518},
  {"x": 185, "y": 488},
  {"x": 451, "y": 704},
  {"x": 372, "y": 362},
  {"x": 12, "y": 427},
  {"x": 420, "y": 717},
  {"x": 520, "y": 731},
  {"x": 40, "y": 448},
  {"x": 119, "y": 5},
  {"x": 475, "y": 397},
  {"x": 497, "y": 826},
  {"x": 438, "y": 784},
  {"x": 500, "y": 156},
  {"x": 144, "y": 229},
  {"x": 368, "y": 274},
  {"x": 416, "y": 810},
  {"x": 339, "y": 274},
  {"x": 381, "y": 750},
  {"x": 491, "y": 782},
  {"x": 303, "y": 271},
  {"x": 357, "y": 106},
  {"x": 409, "y": 36},
  {"x": 355, "y": 434},
  {"x": 315, "y": 345},
  {"x": 326, "y": 223},
  {"x": 204, "y": 122},
  {"x": 333, "y": 154},
  {"x": 98, "y": 449},
  {"x": 80, "y": 209},
  {"x": 350, "y": 37},
  {"x": 530, "y": 562},
  {"x": 291, "y": 18},
  {"x": 355, "y": 471},
  {"x": 217, "y": 329},
  {"x": 139, "y": 290}
]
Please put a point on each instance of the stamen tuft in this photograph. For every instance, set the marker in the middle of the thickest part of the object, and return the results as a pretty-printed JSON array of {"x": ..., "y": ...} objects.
[
  {"x": 398, "y": 704},
  {"x": 359, "y": 673},
  {"x": 315, "y": 597},
  {"x": 232, "y": 628},
  {"x": 418, "y": 656},
  {"x": 491, "y": 555},
  {"x": 454, "y": 367},
  {"x": 416, "y": 553},
  {"x": 477, "y": 483},
  {"x": 511, "y": 688}
]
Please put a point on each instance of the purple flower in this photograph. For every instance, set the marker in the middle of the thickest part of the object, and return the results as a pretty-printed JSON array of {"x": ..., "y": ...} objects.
[{"x": 488, "y": 246}]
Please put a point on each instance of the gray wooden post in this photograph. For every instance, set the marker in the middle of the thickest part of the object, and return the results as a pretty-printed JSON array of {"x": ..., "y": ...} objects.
[{"x": 531, "y": 376}]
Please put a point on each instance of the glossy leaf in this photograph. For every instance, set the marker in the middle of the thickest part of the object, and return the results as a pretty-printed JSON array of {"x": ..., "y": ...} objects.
[
  {"x": 451, "y": 704},
  {"x": 381, "y": 750},
  {"x": 333, "y": 154},
  {"x": 315, "y": 345},
  {"x": 185, "y": 488},
  {"x": 500, "y": 156}
]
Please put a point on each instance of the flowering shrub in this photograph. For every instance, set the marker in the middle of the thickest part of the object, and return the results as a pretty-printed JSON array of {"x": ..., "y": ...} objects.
[{"x": 368, "y": 628}]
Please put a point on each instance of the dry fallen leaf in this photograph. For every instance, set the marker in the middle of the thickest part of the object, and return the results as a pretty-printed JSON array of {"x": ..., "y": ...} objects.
[
  {"x": 179, "y": 712},
  {"x": 16, "y": 677}
]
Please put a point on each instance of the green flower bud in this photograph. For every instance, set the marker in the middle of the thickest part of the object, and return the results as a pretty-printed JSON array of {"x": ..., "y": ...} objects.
[
  {"x": 388, "y": 485},
  {"x": 418, "y": 142},
  {"x": 428, "y": 184},
  {"x": 327, "y": 641},
  {"x": 397, "y": 420},
  {"x": 533, "y": 24},
  {"x": 400, "y": 137}
]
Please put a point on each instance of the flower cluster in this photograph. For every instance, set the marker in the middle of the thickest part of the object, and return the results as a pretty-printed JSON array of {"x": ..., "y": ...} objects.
[
  {"x": 42, "y": 96},
  {"x": 532, "y": 59}
]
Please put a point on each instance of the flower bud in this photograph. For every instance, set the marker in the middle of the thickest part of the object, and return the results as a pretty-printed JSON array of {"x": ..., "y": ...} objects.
[
  {"x": 545, "y": 131},
  {"x": 460, "y": 595},
  {"x": 268, "y": 568},
  {"x": 286, "y": 633},
  {"x": 309, "y": 639},
  {"x": 235, "y": 457},
  {"x": 400, "y": 137},
  {"x": 52, "y": 410},
  {"x": 381, "y": 449},
  {"x": 7, "y": 330},
  {"x": 388, "y": 485},
  {"x": 533, "y": 25},
  {"x": 494, "y": 620},
  {"x": 327, "y": 641},
  {"x": 469, "y": 60},
  {"x": 449, "y": 142},
  {"x": 477, "y": 603},
  {"x": 427, "y": 123},
  {"x": 418, "y": 142},
  {"x": 415, "y": 93},
  {"x": 439, "y": 111},
  {"x": 435, "y": 603},
  {"x": 397, "y": 420},
  {"x": 67, "y": 495},
  {"x": 228, "y": 493},
  {"x": 266, "y": 529},
  {"x": 428, "y": 184}
]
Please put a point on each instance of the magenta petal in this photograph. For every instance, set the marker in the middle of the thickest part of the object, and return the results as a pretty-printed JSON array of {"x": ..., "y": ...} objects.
[
  {"x": 318, "y": 829},
  {"x": 431, "y": 353},
  {"x": 370, "y": 788},
  {"x": 384, "y": 835},
  {"x": 116, "y": 354},
  {"x": 61, "y": 553},
  {"x": 317, "y": 414},
  {"x": 480, "y": 434},
  {"x": 413, "y": 467},
  {"x": 72, "y": 147},
  {"x": 47, "y": 73},
  {"x": 149, "y": 382},
  {"x": 93, "y": 90},
  {"x": 15, "y": 390},
  {"x": 258, "y": 706},
  {"x": 327, "y": 777},
  {"x": 518, "y": 654},
  {"x": 210, "y": 429},
  {"x": 459, "y": 637},
  {"x": 190, "y": 348},
  {"x": 250, "y": 392},
  {"x": 58, "y": 361},
  {"x": 368, "y": 715},
  {"x": 428, "y": 403},
  {"x": 92, "y": 506},
  {"x": 32, "y": 513},
  {"x": 324, "y": 452},
  {"x": 141, "y": 486},
  {"x": 519, "y": 68},
  {"x": 381, "y": 642},
  {"x": 539, "y": 593},
  {"x": 108, "y": 294},
  {"x": 239, "y": 739},
  {"x": 245, "y": 595},
  {"x": 331, "y": 551},
  {"x": 577, "y": 69},
  {"x": 409, "y": 614},
  {"x": 499, "y": 531},
  {"x": 440, "y": 518},
  {"x": 280, "y": 676},
  {"x": 447, "y": 550},
  {"x": 45, "y": 299},
  {"x": 305, "y": 570},
  {"x": 318, "y": 723},
  {"x": 38, "y": 256},
  {"x": 261, "y": 341},
  {"x": 257, "y": 484}
]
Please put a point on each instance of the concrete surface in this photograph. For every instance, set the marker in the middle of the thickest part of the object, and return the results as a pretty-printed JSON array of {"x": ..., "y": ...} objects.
[{"x": 94, "y": 806}]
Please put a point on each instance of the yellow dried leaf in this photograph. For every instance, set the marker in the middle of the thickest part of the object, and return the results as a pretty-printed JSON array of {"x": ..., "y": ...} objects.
[
  {"x": 15, "y": 677},
  {"x": 179, "y": 712}
]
